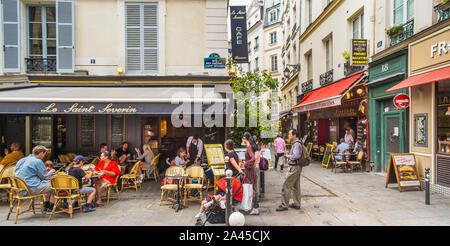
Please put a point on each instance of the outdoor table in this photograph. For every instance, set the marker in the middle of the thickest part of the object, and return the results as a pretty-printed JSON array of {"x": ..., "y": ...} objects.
[
  {"x": 347, "y": 156},
  {"x": 177, "y": 206}
]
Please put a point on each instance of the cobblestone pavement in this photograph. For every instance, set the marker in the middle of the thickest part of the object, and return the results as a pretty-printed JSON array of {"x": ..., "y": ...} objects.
[{"x": 341, "y": 199}]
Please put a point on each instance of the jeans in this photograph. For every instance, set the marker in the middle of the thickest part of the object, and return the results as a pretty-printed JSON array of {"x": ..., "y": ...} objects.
[{"x": 276, "y": 160}]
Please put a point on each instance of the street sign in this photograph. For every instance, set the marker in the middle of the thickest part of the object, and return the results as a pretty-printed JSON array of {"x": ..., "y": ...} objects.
[
  {"x": 401, "y": 101},
  {"x": 214, "y": 61}
]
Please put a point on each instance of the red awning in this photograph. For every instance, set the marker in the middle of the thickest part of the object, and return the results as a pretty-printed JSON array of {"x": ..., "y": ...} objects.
[
  {"x": 422, "y": 79},
  {"x": 328, "y": 96}
]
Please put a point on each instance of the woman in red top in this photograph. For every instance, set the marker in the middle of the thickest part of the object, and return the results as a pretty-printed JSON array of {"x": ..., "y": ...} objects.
[{"x": 111, "y": 171}]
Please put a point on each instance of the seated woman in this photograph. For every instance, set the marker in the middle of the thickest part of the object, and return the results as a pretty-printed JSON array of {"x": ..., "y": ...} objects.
[
  {"x": 110, "y": 170},
  {"x": 180, "y": 158},
  {"x": 146, "y": 159}
]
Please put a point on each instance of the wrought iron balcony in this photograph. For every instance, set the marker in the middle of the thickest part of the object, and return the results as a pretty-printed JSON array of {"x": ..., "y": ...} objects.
[
  {"x": 41, "y": 65},
  {"x": 408, "y": 31},
  {"x": 443, "y": 11},
  {"x": 326, "y": 78},
  {"x": 352, "y": 69},
  {"x": 307, "y": 86}
]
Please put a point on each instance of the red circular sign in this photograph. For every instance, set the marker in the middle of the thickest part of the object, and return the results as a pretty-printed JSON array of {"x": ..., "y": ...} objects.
[{"x": 401, "y": 101}]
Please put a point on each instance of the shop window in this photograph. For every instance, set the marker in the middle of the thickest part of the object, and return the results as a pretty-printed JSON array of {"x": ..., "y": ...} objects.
[
  {"x": 61, "y": 132},
  {"x": 41, "y": 131},
  {"x": 443, "y": 116}
]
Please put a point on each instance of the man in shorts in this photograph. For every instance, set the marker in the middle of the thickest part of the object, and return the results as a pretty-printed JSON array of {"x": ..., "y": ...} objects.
[{"x": 79, "y": 174}]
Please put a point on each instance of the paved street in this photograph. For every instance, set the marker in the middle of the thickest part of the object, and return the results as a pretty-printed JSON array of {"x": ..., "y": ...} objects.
[{"x": 341, "y": 199}]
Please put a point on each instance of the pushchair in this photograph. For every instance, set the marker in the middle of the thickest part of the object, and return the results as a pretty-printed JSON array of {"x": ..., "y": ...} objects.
[{"x": 215, "y": 214}]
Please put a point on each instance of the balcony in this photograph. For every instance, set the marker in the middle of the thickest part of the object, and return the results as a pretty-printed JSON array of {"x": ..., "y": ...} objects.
[
  {"x": 443, "y": 11},
  {"x": 307, "y": 86},
  {"x": 408, "y": 31},
  {"x": 294, "y": 28},
  {"x": 41, "y": 65},
  {"x": 326, "y": 78},
  {"x": 352, "y": 69}
]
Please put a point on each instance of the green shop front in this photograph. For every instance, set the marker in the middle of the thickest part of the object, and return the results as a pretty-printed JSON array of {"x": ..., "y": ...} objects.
[{"x": 388, "y": 124}]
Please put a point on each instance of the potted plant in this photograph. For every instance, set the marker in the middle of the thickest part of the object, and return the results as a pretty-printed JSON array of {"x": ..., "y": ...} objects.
[
  {"x": 396, "y": 29},
  {"x": 442, "y": 4},
  {"x": 346, "y": 55}
]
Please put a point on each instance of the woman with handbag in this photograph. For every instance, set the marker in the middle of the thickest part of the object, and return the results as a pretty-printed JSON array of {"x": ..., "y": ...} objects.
[{"x": 252, "y": 158}]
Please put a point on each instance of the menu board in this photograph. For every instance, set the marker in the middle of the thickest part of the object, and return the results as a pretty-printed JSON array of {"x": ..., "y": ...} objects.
[
  {"x": 327, "y": 156},
  {"x": 117, "y": 130},
  {"x": 214, "y": 154},
  {"x": 87, "y": 131},
  {"x": 403, "y": 171},
  {"x": 362, "y": 139}
]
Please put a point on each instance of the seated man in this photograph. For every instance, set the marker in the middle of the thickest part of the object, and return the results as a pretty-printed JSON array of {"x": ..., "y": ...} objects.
[
  {"x": 32, "y": 170},
  {"x": 79, "y": 174},
  {"x": 341, "y": 148},
  {"x": 123, "y": 153},
  {"x": 14, "y": 156}
]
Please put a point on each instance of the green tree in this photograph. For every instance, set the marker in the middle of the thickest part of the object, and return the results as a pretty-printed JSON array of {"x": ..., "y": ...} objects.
[{"x": 255, "y": 84}]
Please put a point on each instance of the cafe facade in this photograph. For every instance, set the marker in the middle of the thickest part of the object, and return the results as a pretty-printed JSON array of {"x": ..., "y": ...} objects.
[
  {"x": 429, "y": 89},
  {"x": 389, "y": 131},
  {"x": 70, "y": 115},
  {"x": 326, "y": 113}
]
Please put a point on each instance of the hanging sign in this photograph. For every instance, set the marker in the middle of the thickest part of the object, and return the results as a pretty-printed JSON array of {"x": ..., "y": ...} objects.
[
  {"x": 359, "y": 51},
  {"x": 401, "y": 101},
  {"x": 402, "y": 170},
  {"x": 239, "y": 47}
]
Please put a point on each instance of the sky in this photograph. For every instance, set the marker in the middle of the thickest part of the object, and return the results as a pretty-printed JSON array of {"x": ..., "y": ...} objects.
[{"x": 239, "y": 2}]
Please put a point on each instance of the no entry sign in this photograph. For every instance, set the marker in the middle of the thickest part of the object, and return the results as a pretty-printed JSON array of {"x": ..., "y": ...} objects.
[{"x": 401, "y": 101}]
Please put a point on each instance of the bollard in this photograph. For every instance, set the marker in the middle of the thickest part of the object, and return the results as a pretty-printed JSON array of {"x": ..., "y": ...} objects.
[
  {"x": 228, "y": 191},
  {"x": 427, "y": 186}
]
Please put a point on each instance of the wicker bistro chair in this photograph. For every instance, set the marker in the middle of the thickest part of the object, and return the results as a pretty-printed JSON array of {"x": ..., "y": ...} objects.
[
  {"x": 21, "y": 192},
  {"x": 131, "y": 177},
  {"x": 6, "y": 173},
  {"x": 65, "y": 187},
  {"x": 358, "y": 162},
  {"x": 174, "y": 170},
  {"x": 154, "y": 163},
  {"x": 95, "y": 161},
  {"x": 338, "y": 164},
  {"x": 71, "y": 156},
  {"x": 318, "y": 155},
  {"x": 109, "y": 187},
  {"x": 195, "y": 172}
]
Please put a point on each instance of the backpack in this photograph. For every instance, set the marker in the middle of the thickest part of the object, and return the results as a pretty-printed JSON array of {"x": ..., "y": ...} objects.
[
  {"x": 263, "y": 164},
  {"x": 305, "y": 159}
]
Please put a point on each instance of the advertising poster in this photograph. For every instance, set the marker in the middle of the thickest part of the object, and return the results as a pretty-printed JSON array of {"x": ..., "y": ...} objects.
[{"x": 239, "y": 47}]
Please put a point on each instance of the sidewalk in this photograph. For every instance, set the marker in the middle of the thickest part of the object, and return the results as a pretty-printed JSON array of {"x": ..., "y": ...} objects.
[{"x": 327, "y": 199}]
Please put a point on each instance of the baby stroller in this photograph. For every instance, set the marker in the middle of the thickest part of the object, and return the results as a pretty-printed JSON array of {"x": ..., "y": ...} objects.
[{"x": 215, "y": 214}]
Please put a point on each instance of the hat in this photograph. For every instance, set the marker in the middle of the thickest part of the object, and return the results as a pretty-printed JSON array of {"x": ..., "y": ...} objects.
[{"x": 79, "y": 158}]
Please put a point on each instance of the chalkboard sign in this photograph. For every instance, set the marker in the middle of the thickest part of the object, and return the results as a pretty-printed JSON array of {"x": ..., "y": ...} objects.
[
  {"x": 116, "y": 130},
  {"x": 87, "y": 131},
  {"x": 309, "y": 147},
  {"x": 214, "y": 154},
  {"x": 327, "y": 156},
  {"x": 362, "y": 138},
  {"x": 402, "y": 170}
]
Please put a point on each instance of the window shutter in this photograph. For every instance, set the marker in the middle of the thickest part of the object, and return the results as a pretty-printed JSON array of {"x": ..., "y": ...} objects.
[
  {"x": 151, "y": 38},
  {"x": 11, "y": 36},
  {"x": 133, "y": 37},
  {"x": 65, "y": 52}
]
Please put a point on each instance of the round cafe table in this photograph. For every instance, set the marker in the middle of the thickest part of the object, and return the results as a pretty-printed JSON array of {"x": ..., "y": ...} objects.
[{"x": 177, "y": 206}]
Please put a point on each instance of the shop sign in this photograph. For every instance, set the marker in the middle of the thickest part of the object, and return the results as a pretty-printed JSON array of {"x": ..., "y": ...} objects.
[
  {"x": 77, "y": 108},
  {"x": 403, "y": 171},
  {"x": 359, "y": 51},
  {"x": 326, "y": 104},
  {"x": 239, "y": 47},
  {"x": 421, "y": 130},
  {"x": 401, "y": 101},
  {"x": 214, "y": 61}
]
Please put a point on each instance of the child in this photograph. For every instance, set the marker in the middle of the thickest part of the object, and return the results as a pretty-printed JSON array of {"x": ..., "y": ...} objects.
[
  {"x": 49, "y": 166},
  {"x": 221, "y": 200},
  {"x": 180, "y": 159},
  {"x": 79, "y": 174}
]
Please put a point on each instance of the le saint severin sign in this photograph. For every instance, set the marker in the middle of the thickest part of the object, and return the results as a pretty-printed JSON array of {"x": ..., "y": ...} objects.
[{"x": 77, "y": 108}]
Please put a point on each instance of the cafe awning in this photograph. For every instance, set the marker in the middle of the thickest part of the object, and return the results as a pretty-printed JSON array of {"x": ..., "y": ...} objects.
[
  {"x": 50, "y": 99},
  {"x": 328, "y": 96},
  {"x": 423, "y": 79}
]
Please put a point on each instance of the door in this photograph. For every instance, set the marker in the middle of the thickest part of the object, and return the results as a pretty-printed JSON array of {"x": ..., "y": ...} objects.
[{"x": 391, "y": 135}]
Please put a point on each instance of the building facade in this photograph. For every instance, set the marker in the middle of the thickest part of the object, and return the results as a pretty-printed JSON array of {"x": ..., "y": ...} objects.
[
  {"x": 255, "y": 36},
  {"x": 108, "y": 71}
]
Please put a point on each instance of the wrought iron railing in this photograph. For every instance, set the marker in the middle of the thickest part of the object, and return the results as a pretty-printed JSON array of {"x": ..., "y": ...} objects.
[
  {"x": 41, "y": 65},
  {"x": 294, "y": 28},
  {"x": 287, "y": 40},
  {"x": 326, "y": 78},
  {"x": 408, "y": 31},
  {"x": 307, "y": 86},
  {"x": 443, "y": 14},
  {"x": 352, "y": 69}
]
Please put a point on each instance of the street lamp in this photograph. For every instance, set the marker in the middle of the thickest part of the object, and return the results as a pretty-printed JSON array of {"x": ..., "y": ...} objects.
[{"x": 287, "y": 72}]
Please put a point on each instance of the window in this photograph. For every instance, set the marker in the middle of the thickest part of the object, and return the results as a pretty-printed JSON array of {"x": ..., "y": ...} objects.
[
  {"x": 329, "y": 52},
  {"x": 309, "y": 11},
  {"x": 403, "y": 11},
  {"x": 41, "y": 33},
  {"x": 273, "y": 38},
  {"x": 274, "y": 63},
  {"x": 256, "y": 43},
  {"x": 309, "y": 61},
  {"x": 273, "y": 16},
  {"x": 358, "y": 27},
  {"x": 142, "y": 37},
  {"x": 256, "y": 64}
]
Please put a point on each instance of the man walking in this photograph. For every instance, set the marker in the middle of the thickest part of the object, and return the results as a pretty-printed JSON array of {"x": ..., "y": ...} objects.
[
  {"x": 292, "y": 183},
  {"x": 280, "y": 148}
]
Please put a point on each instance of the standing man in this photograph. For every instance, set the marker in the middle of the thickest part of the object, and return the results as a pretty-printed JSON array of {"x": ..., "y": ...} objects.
[
  {"x": 194, "y": 149},
  {"x": 32, "y": 170},
  {"x": 292, "y": 183},
  {"x": 14, "y": 156},
  {"x": 280, "y": 148}
]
